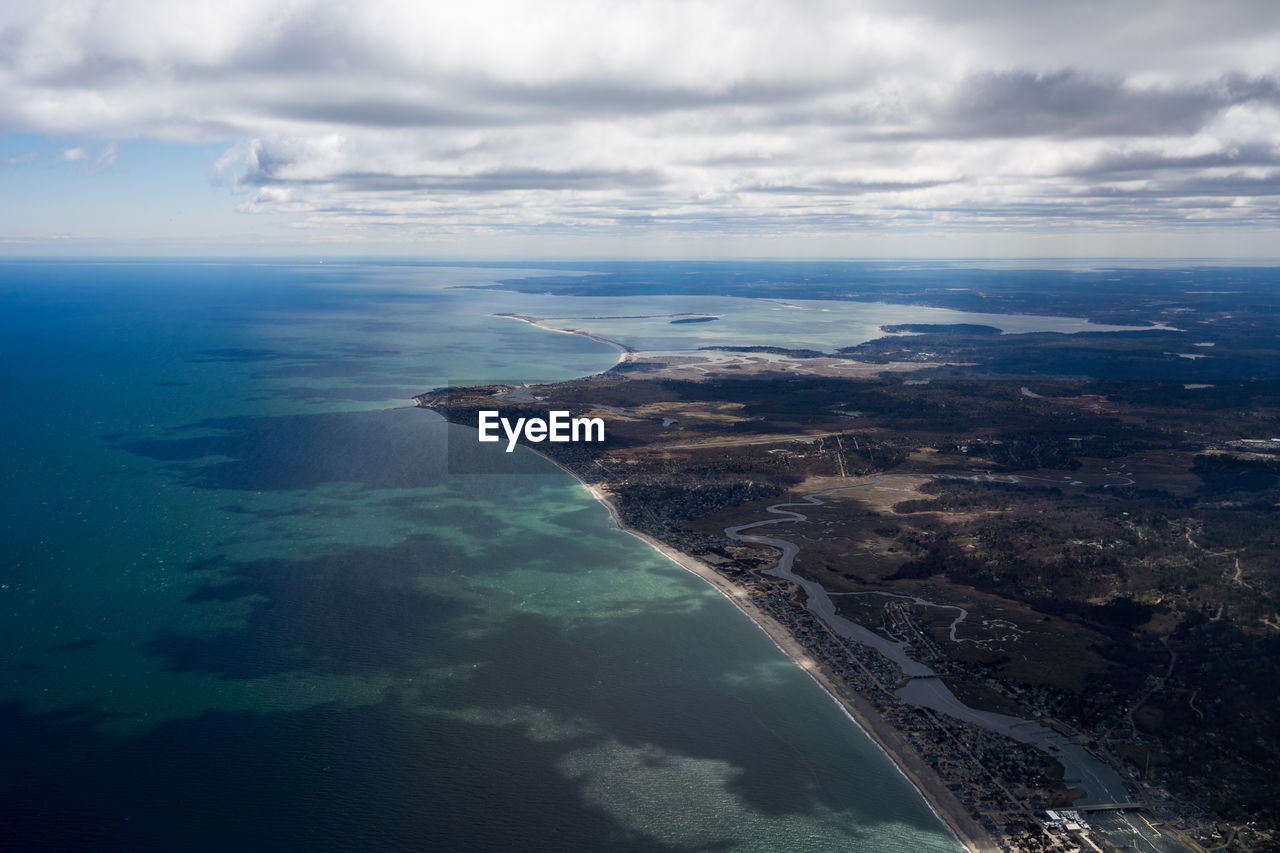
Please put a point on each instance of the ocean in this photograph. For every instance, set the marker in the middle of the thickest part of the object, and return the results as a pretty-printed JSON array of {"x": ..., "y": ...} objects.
[{"x": 247, "y": 607}]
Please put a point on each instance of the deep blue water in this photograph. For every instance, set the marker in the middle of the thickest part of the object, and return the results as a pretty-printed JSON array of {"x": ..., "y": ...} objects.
[{"x": 245, "y": 607}]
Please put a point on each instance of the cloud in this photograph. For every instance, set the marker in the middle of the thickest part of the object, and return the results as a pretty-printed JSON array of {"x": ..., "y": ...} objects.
[
  {"x": 105, "y": 159},
  {"x": 1236, "y": 185},
  {"x": 750, "y": 117},
  {"x": 841, "y": 188},
  {"x": 1147, "y": 161},
  {"x": 1069, "y": 104}
]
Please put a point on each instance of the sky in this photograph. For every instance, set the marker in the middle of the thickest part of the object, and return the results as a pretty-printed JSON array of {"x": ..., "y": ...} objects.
[{"x": 699, "y": 128}]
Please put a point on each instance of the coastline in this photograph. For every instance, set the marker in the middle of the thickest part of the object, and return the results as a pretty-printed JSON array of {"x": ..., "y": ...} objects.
[
  {"x": 625, "y": 352},
  {"x": 953, "y": 815},
  {"x": 941, "y": 801}
]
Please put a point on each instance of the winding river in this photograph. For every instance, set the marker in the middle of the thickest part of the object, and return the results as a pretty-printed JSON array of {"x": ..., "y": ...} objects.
[{"x": 1100, "y": 783}]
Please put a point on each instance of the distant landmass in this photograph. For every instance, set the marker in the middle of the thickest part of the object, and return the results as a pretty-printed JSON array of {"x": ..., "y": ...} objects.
[
  {"x": 941, "y": 328},
  {"x": 793, "y": 353}
]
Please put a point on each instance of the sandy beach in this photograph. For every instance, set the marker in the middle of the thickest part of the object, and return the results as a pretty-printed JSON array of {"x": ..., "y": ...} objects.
[
  {"x": 954, "y": 815},
  {"x": 904, "y": 756},
  {"x": 538, "y": 322}
]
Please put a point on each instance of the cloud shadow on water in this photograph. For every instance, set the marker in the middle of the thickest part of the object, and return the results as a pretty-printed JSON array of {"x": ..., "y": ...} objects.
[
  {"x": 645, "y": 679},
  {"x": 376, "y": 777},
  {"x": 294, "y": 452},
  {"x": 366, "y": 612},
  {"x": 350, "y": 611}
]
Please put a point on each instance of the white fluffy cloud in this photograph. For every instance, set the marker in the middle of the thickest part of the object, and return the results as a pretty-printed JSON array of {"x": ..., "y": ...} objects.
[{"x": 749, "y": 118}]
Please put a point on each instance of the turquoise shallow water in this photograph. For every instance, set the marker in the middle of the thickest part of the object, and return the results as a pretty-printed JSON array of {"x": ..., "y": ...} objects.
[
  {"x": 823, "y": 325},
  {"x": 245, "y": 606}
]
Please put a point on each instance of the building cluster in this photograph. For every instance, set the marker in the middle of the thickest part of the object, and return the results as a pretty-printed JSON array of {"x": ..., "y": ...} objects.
[
  {"x": 1001, "y": 782},
  {"x": 1006, "y": 785}
]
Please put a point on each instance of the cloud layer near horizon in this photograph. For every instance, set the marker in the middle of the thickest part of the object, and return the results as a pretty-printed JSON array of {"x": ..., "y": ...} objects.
[{"x": 748, "y": 118}]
